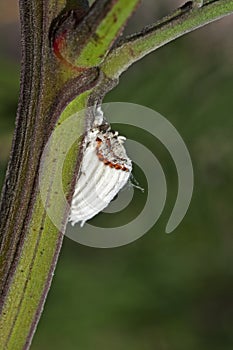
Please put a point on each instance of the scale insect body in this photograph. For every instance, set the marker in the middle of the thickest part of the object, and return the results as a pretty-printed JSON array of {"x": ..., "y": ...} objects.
[{"x": 104, "y": 171}]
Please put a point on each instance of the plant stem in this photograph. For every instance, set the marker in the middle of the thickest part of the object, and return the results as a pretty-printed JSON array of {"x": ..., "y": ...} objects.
[
  {"x": 88, "y": 43},
  {"x": 182, "y": 21},
  {"x": 30, "y": 242}
]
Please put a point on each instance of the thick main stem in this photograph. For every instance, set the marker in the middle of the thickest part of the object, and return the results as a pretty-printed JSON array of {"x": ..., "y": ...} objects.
[{"x": 30, "y": 242}]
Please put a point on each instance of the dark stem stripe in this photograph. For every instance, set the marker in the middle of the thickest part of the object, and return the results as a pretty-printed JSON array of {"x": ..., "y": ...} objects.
[
  {"x": 13, "y": 193},
  {"x": 89, "y": 24}
]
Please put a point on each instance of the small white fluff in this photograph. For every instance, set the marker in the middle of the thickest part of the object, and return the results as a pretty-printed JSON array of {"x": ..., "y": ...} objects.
[{"x": 105, "y": 169}]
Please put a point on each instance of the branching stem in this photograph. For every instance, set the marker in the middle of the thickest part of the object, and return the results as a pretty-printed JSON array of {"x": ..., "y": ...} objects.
[{"x": 182, "y": 21}]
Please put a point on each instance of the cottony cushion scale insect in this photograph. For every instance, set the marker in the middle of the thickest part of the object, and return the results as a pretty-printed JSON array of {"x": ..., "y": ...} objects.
[{"x": 105, "y": 169}]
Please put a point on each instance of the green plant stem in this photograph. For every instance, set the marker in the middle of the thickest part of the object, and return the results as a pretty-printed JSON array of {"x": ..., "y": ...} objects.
[
  {"x": 184, "y": 20},
  {"x": 29, "y": 241},
  {"x": 87, "y": 44}
]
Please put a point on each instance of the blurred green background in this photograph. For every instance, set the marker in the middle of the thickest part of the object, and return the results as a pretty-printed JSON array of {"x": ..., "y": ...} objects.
[{"x": 165, "y": 292}]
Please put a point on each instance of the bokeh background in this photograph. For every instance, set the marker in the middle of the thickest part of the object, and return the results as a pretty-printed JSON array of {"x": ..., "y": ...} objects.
[{"x": 164, "y": 292}]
